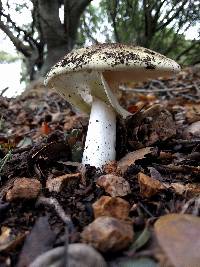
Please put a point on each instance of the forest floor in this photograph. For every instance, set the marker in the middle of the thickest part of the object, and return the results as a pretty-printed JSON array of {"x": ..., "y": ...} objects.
[{"x": 140, "y": 210}]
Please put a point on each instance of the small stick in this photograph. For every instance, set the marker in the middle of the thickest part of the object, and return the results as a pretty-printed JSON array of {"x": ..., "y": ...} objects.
[
  {"x": 143, "y": 90},
  {"x": 59, "y": 210},
  {"x": 196, "y": 202},
  {"x": 66, "y": 219}
]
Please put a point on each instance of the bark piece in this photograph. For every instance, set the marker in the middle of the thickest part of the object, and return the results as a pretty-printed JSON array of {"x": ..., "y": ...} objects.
[
  {"x": 161, "y": 127},
  {"x": 114, "y": 185},
  {"x": 24, "y": 188},
  {"x": 148, "y": 185},
  {"x": 108, "y": 234},
  {"x": 111, "y": 206},
  {"x": 58, "y": 183}
]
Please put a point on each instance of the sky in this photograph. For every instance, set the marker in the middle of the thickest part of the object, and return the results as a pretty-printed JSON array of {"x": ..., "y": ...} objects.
[{"x": 10, "y": 73}]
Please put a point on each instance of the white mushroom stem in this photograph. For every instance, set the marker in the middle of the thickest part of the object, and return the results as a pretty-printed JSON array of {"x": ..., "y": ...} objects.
[{"x": 101, "y": 135}]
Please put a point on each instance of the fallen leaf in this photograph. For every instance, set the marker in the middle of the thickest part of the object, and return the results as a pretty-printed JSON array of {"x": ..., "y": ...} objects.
[
  {"x": 40, "y": 240},
  {"x": 179, "y": 237},
  {"x": 192, "y": 111},
  {"x": 26, "y": 141},
  {"x": 142, "y": 239},
  {"x": 130, "y": 262},
  {"x": 132, "y": 157},
  {"x": 161, "y": 127},
  {"x": 45, "y": 129},
  {"x": 9, "y": 241},
  {"x": 58, "y": 183}
]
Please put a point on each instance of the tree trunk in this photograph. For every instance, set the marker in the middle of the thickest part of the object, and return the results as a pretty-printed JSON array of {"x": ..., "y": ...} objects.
[
  {"x": 59, "y": 37},
  {"x": 50, "y": 39}
]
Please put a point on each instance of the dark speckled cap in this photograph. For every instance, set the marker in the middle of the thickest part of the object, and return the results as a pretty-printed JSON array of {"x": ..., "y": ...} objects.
[
  {"x": 96, "y": 71},
  {"x": 115, "y": 57}
]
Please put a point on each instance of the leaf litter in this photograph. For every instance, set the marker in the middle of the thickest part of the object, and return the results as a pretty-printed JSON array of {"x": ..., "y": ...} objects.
[{"x": 156, "y": 207}]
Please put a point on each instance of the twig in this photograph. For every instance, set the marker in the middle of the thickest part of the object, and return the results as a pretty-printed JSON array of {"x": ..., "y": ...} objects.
[
  {"x": 65, "y": 218},
  {"x": 143, "y": 90},
  {"x": 4, "y": 160},
  {"x": 145, "y": 209},
  {"x": 185, "y": 142},
  {"x": 196, "y": 202},
  {"x": 59, "y": 210},
  {"x": 3, "y": 91}
]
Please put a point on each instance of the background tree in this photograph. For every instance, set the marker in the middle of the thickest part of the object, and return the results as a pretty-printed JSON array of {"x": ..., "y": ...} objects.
[
  {"x": 56, "y": 26},
  {"x": 155, "y": 24},
  {"x": 46, "y": 39}
]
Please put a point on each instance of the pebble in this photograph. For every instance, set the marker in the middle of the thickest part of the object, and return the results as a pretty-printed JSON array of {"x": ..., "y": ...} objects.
[
  {"x": 111, "y": 206},
  {"x": 108, "y": 234},
  {"x": 24, "y": 188},
  {"x": 114, "y": 185}
]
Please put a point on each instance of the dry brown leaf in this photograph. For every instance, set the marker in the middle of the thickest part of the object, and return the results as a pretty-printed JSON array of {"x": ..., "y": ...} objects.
[
  {"x": 179, "y": 237},
  {"x": 131, "y": 158},
  {"x": 161, "y": 128},
  {"x": 190, "y": 190},
  {"x": 9, "y": 241},
  {"x": 40, "y": 240},
  {"x": 58, "y": 183},
  {"x": 192, "y": 111}
]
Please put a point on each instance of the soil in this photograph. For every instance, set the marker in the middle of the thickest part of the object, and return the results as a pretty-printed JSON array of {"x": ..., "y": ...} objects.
[{"x": 41, "y": 137}]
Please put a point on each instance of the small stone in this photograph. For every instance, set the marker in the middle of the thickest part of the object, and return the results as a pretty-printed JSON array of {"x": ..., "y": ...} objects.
[
  {"x": 111, "y": 206},
  {"x": 108, "y": 234},
  {"x": 58, "y": 183},
  {"x": 192, "y": 190},
  {"x": 24, "y": 188},
  {"x": 78, "y": 255},
  {"x": 110, "y": 167},
  {"x": 148, "y": 185},
  {"x": 114, "y": 185}
]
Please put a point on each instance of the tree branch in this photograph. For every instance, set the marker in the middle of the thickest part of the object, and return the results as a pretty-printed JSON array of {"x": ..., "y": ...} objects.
[
  {"x": 25, "y": 50},
  {"x": 188, "y": 49},
  {"x": 82, "y": 4},
  {"x": 113, "y": 14},
  {"x": 169, "y": 20}
]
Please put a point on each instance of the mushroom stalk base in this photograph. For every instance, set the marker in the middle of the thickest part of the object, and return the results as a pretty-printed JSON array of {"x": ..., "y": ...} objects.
[{"x": 101, "y": 135}]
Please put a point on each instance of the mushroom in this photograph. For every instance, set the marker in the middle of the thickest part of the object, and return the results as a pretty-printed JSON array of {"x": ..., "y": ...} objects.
[{"x": 89, "y": 78}]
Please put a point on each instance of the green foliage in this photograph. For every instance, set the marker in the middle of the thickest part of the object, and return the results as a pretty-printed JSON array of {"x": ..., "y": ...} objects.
[
  {"x": 7, "y": 58},
  {"x": 5, "y": 159},
  {"x": 155, "y": 24}
]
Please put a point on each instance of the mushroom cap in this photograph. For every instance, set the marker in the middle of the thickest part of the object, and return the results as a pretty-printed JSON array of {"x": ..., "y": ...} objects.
[
  {"x": 128, "y": 61},
  {"x": 97, "y": 71}
]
